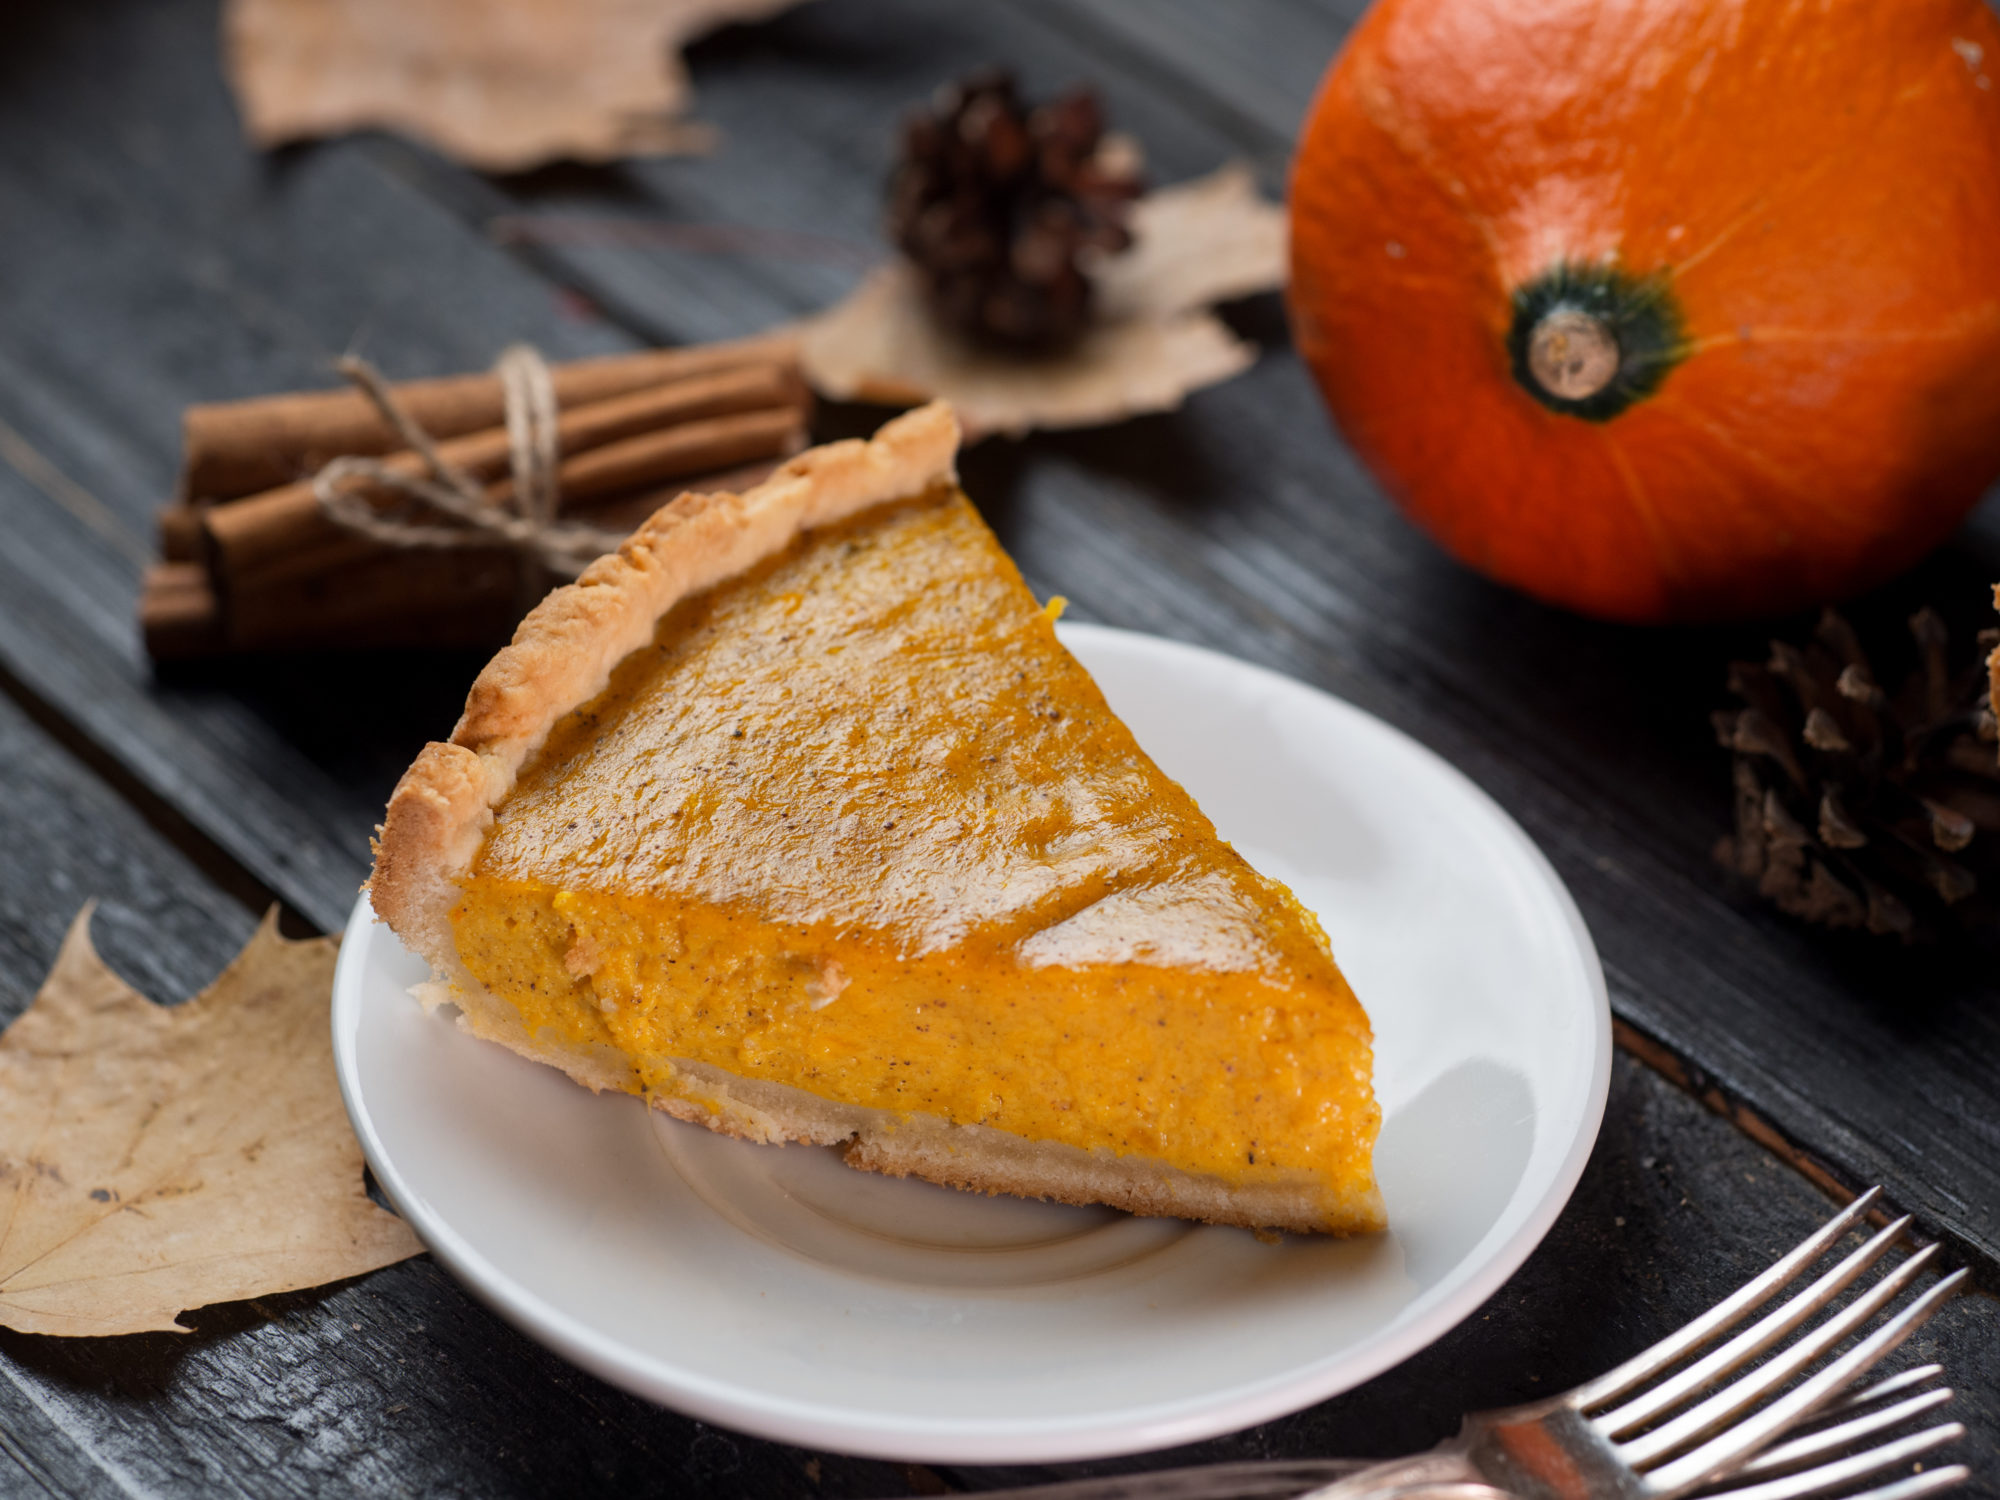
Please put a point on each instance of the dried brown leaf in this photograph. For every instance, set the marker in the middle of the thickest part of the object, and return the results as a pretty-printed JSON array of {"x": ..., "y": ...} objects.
[
  {"x": 157, "y": 1158},
  {"x": 1154, "y": 341},
  {"x": 501, "y": 85}
]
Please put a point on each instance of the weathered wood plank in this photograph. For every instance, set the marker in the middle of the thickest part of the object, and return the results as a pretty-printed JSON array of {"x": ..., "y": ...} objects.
[
  {"x": 70, "y": 840},
  {"x": 1261, "y": 60}
]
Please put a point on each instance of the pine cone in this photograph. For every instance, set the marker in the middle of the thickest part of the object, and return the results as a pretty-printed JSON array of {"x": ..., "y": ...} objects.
[
  {"x": 1858, "y": 809},
  {"x": 998, "y": 209}
]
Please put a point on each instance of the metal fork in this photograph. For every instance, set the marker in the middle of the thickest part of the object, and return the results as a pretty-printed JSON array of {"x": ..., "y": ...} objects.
[{"x": 1667, "y": 1423}]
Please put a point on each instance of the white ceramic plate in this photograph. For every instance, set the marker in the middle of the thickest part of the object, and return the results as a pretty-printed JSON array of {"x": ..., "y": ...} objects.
[{"x": 773, "y": 1290}]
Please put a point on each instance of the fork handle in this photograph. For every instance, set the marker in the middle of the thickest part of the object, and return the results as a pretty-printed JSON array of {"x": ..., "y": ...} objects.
[
  {"x": 1427, "y": 1476},
  {"x": 1256, "y": 1479},
  {"x": 1444, "y": 1473}
]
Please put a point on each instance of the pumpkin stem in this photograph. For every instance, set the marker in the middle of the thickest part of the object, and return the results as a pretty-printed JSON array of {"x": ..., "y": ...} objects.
[
  {"x": 1572, "y": 354},
  {"x": 1589, "y": 340}
]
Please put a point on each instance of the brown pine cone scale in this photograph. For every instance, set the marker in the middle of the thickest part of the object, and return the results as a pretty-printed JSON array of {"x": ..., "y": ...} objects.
[{"x": 1858, "y": 808}]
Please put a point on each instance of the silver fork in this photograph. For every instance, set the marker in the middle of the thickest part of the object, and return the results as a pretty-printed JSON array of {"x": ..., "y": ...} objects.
[{"x": 1665, "y": 1424}]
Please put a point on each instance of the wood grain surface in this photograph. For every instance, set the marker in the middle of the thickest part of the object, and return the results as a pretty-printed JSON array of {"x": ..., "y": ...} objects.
[{"x": 150, "y": 260}]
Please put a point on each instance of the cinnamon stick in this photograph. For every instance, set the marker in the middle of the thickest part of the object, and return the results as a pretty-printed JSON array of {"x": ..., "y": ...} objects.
[
  {"x": 180, "y": 533},
  {"x": 237, "y": 448},
  {"x": 179, "y": 614},
  {"x": 690, "y": 448},
  {"x": 466, "y": 596},
  {"x": 416, "y": 598},
  {"x": 283, "y": 533},
  {"x": 267, "y": 571}
]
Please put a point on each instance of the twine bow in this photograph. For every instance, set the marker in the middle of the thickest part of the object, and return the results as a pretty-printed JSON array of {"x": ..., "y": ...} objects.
[{"x": 526, "y": 524}]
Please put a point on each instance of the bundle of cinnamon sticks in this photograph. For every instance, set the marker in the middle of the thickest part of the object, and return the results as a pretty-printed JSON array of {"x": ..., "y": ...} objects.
[{"x": 251, "y": 562}]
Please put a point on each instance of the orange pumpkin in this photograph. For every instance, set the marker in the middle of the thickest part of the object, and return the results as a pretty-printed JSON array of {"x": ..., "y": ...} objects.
[{"x": 1662, "y": 309}]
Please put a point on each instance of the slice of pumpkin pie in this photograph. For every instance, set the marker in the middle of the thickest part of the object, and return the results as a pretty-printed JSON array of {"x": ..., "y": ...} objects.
[{"x": 794, "y": 816}]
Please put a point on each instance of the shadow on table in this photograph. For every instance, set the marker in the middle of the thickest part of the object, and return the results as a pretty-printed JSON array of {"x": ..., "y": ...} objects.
[
  {"x": 143, "y": 1366},
  {"x": 360, "y": 715}
]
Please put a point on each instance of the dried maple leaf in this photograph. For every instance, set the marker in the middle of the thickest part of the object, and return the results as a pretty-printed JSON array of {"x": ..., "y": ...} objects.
[
  {"x": 157, "y": 1158},
  {"x": 499, "y": 84},
  {"x": 1153, "y": 341}
]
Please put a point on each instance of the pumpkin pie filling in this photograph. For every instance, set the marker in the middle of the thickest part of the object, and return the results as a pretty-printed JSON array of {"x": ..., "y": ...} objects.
[{"x": 858, "y": 823}]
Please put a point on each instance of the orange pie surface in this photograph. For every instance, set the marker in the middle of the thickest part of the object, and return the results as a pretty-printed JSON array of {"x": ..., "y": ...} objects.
[{"x": 857, "y": 823}]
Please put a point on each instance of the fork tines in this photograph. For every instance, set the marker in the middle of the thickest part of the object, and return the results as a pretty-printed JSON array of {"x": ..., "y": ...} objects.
[{"x": 1685, "y": 1422}]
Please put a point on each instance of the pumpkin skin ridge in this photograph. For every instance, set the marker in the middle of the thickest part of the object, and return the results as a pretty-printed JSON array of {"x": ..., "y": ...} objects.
[
  {"x": 1967, "y": 326},
  {"x": 1778, "y": 521},
  {"x": 1883, "y": 306},
  {"x": 1666, "y": 559},
  {"x": 1761, "y": 202},
  {"x": 1749, "y": 453}
]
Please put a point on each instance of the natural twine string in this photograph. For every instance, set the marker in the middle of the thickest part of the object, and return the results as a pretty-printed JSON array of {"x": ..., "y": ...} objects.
[{"x": 528, "y": 525}]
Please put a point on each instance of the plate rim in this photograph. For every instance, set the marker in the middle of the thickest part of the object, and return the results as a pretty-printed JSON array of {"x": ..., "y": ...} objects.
[{"x": 1005, "y": 1440}]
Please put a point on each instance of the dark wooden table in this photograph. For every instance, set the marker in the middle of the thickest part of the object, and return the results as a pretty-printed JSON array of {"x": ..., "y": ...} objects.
[{"x": 148, "y": 259}]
